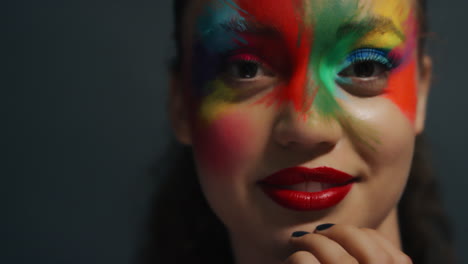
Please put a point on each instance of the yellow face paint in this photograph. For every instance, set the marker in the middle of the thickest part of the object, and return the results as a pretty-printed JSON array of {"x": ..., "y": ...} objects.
[
  {"x": 212, "y": 106},
  {"x": 392, "y": 33}
]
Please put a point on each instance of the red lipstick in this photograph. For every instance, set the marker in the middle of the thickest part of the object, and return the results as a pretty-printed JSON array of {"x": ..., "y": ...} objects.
[{"x": 304, "y": 189}]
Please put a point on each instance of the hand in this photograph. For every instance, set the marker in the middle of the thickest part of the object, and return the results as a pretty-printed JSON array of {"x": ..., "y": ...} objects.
[{"x": 343, "y": 244}]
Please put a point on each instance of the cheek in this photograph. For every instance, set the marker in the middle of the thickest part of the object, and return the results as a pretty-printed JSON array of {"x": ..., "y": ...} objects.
[
  {"x": 402, "y": 89},
  {"x": 393, "y": 158},
  {"x": 388, "y": 162},
  {"x": 397, "y": 140},
  {"x": 223, "y": 146}
]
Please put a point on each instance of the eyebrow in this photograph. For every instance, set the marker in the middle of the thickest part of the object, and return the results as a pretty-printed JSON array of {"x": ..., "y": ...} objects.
[
  {"x": 236, "y": 25},
  {"x": 373, "y": 24}
]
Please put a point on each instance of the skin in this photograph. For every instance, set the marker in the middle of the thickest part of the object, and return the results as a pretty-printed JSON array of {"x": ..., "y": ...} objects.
[{"x": 243, "y": 130}]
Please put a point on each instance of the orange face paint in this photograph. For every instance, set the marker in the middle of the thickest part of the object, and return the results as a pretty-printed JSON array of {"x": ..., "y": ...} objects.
[{"x": 402, "y": 89}]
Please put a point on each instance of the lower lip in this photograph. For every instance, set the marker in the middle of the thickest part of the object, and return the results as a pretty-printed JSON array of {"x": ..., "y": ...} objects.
[{"x": 307, "y": 201}]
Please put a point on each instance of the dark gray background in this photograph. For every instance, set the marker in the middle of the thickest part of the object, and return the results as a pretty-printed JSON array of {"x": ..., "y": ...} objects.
[{"x": 84, "y": 92}]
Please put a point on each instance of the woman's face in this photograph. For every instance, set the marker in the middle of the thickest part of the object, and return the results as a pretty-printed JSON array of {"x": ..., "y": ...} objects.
[{"x": 301, "y": 112}]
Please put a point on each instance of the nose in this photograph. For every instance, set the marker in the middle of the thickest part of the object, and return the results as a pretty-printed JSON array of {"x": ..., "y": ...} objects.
[{"x": 311, "y": 132}]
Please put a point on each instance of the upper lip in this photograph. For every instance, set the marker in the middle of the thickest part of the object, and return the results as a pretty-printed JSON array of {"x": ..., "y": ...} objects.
[{"x": 296, "y": 175}]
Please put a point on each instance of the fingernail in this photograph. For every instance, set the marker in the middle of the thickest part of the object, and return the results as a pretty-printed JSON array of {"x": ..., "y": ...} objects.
[
  {"x": 299, "y": 233},
  {"x": 323, "y": 227}
]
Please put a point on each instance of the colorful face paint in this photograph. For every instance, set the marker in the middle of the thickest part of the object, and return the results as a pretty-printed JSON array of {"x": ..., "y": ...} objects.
[
  {"x": 272, "y": 35},
  {"x": 312, "y": 54},
  {"x": 306, "y": 43}
]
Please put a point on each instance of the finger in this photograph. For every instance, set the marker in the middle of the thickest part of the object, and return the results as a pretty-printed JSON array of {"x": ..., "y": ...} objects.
[
  {"x": 301, "y": 257},
  {"x": 324, "y": 249},
  {"x": 356, "y": 242},
  {"x": 398, "y": 256}
]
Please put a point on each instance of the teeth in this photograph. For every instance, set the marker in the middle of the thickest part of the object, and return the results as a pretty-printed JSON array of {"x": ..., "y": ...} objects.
[
  {"x": 328, "y": 185},
  {"x": 313, "y": 187},
  {"x": 309, "y": 187},
  {"x": 305, "y": 187}
]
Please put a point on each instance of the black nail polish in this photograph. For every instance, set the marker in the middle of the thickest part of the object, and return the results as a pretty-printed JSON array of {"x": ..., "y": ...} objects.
[
  {"x": 299, "y": 233},
  {"x": 323, "y": 227}
]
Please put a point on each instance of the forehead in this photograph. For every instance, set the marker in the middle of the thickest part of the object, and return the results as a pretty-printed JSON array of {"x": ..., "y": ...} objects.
[
  {"x": 219, "y": 22},
  {"x": 223, "y": 25},
  {"x": 281, "y": 12}
]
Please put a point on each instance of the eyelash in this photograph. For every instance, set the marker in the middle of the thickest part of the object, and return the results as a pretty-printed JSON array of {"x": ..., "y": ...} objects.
[
  {"x": 243, "y": 57},
  {"x": 380, "y": 56},
  {"x": 361, "y": 85},
  {"x": 372, "y": 55},
  {"x": 246, "y": 58}
]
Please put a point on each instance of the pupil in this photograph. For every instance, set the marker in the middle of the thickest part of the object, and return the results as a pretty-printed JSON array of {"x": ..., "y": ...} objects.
[
  {"x": 364, "y": 69},
  {"x": 247, "y": 70}
]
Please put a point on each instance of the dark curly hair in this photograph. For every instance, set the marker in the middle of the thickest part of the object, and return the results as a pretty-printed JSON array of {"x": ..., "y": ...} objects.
[{"x": 183, "y": 229}]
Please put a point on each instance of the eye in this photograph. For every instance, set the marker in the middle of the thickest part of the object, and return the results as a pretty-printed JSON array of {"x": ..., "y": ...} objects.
[
  {"x": 365, "y": 71},
  {"x": 248, "y": 74},
  {"x": 246, "y": 68}
]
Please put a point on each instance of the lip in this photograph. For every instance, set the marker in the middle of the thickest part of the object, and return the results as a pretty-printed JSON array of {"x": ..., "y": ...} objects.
[{"x": 336, "y": 185}]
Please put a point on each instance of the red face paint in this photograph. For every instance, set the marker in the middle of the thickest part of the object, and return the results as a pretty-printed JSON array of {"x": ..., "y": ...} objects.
[
  {"x": 224, "y": 144},
  {"x": 286, "y": 46},
  {"x": 292, "y": 45}
]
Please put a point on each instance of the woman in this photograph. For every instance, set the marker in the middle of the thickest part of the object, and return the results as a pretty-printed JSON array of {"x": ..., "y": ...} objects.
[{"x": 299, "y": 120}]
